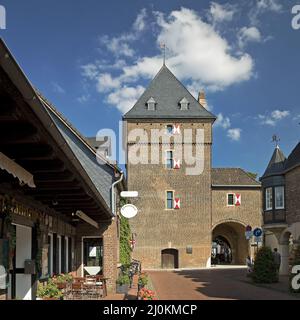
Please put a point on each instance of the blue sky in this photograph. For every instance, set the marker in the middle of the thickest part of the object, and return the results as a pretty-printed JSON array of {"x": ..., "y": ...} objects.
[{"x": 93, "y": 59}]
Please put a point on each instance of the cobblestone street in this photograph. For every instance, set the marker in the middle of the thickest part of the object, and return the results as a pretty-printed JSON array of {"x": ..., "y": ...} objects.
[{"x": 225, "y": 284}]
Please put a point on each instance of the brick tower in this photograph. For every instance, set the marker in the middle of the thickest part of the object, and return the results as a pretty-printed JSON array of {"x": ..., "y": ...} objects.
[{"x": 173, "y": 227}]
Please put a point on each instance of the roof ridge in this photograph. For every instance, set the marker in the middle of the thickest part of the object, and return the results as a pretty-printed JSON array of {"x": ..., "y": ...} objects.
[{"x": 48, "y": 104}]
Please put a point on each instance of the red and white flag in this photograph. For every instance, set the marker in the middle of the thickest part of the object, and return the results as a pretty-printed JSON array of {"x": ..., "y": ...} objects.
[
  {"x": 238, "y": 199},
  {"x": 176, "y": 164},
  {"x": 177, "y": 203},
  {"x": 176, "y": 129}
]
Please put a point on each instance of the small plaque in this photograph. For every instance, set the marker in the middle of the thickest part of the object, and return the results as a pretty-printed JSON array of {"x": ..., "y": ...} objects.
[{"x": 189, "y": 250}]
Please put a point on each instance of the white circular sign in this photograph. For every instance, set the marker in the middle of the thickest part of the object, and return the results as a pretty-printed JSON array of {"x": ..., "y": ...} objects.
[{"x": 129, "y": 211}]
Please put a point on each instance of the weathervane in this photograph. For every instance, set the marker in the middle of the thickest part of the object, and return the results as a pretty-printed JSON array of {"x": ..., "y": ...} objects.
[
  {"x": 163, "y": 47},
  {"x": 276, "y": 139}
]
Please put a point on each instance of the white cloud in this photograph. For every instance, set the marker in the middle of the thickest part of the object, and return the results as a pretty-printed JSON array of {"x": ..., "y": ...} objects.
[
  {"x": 271, "y": 5},
  {"x": 140, "y": 23},
  {"x": 119, "y": 46},
  {"x": 251, "y": 34},
  {"x": 234, "y": 134},
  {"x": 124, "y": 98},
  {"x": 106, "y": 82},
  {"x": 83, "y": 98},
  {"x": 262, "y": 6},
  {"x": 274, "y": 117},
  {"x": 196, "y": 53},
  {"x": 223, "y": 122},
  {"x": 57, "y": 88},
  {"x": 220, "y": 13}
]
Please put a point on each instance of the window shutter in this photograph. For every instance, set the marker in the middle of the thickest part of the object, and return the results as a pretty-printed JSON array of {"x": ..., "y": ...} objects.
[
  {"x": 176, "y": 129},
  {"x": 177, "y": 203},
  {"x": 176, "y": 164},
  {"x": 238, "y": 199}
]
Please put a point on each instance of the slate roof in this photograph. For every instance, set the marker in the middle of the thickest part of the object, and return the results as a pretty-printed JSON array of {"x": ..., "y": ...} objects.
[
  {"x": 294, "y": 159},
  {"x": 276, "y": 165},
  {"x": 232, "y": 177},
  {"x": 101, "y": 173},
  {"x": 167, "y": 91}
]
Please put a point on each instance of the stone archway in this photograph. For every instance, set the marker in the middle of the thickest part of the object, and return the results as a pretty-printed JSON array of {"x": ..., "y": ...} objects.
[
  {"x": 285, "y": 244},
  {"x": 234, "y": 233}
]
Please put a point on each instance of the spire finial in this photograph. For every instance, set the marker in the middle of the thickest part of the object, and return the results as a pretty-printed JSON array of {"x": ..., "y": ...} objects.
[
  {"x": 276, "y": 139},
  {"x": 163, "y": 48}
]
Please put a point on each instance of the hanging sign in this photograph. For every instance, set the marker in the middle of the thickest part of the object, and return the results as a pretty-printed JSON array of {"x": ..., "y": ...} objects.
[{"x": 129, "y": 211}]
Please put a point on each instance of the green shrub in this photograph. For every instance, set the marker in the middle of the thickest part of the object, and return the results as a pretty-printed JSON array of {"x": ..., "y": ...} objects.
[
  {"x": 49, "y": 291},
  {"x": 264, "y": 270},
  {"x": 143, "y": 279},
  {"x": 125, "y": 236},
  {"x": 295, "y": 261},
  {"x": 123, "y": 279}
]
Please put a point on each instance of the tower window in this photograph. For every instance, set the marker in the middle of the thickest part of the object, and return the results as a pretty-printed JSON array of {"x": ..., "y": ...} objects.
[
  {"x": 184, "y": 104},
  {"x": 279, "y": 197},
  {"x": 269, "y": 199},
  {"x": 170, "y": 200},
  {"x": 169, "y": 160},
  {"x": 151, "y": 104},
  {"x": 230, "y": 199},
  {"x": 170, "y": 129}
]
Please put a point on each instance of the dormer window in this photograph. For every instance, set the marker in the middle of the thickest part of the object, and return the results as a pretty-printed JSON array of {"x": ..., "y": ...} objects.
[
  {"x": 151, "y": 104},
  {"x": 184, "y": 104}
]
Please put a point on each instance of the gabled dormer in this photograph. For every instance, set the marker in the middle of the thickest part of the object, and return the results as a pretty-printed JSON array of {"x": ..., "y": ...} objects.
[
  {"x": 151, "y": 104},
  {"x": 184, "y": 104}
]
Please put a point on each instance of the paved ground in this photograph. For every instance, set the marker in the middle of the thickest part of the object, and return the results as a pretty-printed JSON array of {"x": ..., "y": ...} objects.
[{"x": 212, "y": 284}]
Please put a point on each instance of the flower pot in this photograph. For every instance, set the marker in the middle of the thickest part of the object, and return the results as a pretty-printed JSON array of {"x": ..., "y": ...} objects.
[{"x": 122, "y": 289}]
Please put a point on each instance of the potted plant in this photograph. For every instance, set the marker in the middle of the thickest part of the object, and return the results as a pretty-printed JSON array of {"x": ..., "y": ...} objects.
[
  {"x": 123, "y": 283},
  {"x": 146, "y": 294},
  {"x": 143, "y": 281},
  {"x": 49, "y": 291}
]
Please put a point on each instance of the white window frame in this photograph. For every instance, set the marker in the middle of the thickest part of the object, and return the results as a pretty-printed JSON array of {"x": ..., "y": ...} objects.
[
  {"x": 283, "y": 195},
  {"x": 268, "y": 197},
  {"x": 229, "y": 194},
  {"x": 59, "y": 254},
  {"x": 50, "y": 251},
  {"x": 166, "y": 159},
  {"x": 82, "y": 250},
  {"x": 173, "y": 199},
  {"x": 66, "y": 254}
]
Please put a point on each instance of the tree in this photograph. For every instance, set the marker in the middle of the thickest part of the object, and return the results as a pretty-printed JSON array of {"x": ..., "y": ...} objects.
[{"x": 264, "y": 270}]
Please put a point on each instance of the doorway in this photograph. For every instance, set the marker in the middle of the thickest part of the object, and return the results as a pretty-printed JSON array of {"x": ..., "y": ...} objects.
[
  {"x": 221, "y": 251},
  {"x": 92, "y": 250},
  {"x": 20, "y": 286},
  {"x": 169, "y": 259}
]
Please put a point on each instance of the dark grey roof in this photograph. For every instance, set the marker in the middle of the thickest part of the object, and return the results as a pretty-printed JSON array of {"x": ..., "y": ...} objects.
[
  {"x": 276, "y": 165},
  {"x": 100, "y": 173},
  {"x": 232, "y": 177},
  {"x": 294, "y": 158},
  {"x": 167, "y": 92}
]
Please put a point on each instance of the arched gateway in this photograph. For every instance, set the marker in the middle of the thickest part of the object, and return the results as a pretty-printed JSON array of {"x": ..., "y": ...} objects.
[{"x": 229, "y": 245}]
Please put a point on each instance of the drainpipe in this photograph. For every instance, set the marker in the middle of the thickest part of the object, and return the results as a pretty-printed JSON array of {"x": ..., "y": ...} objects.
[{"x": 113, "y": 205}]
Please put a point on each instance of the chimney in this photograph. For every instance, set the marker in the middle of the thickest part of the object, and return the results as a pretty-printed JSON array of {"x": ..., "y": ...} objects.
[{"x": 202, "y": 99}]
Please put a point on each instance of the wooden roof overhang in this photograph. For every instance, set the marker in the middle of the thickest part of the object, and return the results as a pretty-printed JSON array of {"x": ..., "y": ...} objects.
[{"x": 30, "y": 138}]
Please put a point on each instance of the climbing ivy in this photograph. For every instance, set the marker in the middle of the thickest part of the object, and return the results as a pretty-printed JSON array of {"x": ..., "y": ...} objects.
[{"x": 125, "y": 236}]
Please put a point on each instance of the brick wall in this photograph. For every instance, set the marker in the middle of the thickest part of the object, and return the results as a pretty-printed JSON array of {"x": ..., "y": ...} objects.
[
  {"x": 249, "y": 213},
  {"x": 292, "y": 179},
  {"x": 158, "y": 228}
]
